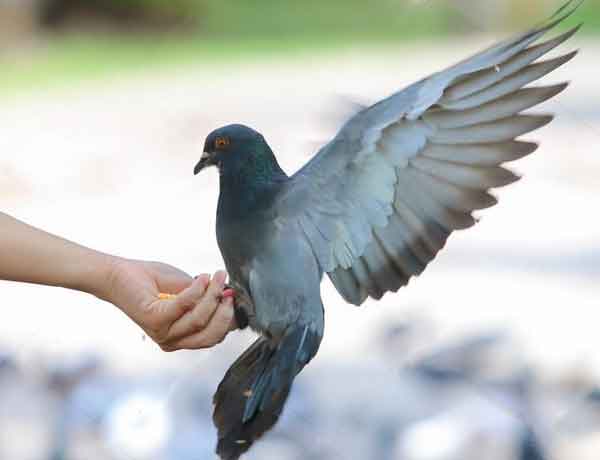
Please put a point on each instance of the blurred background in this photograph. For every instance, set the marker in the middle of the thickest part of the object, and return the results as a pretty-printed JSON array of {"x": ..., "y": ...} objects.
[{"x": 493, "y": 354}]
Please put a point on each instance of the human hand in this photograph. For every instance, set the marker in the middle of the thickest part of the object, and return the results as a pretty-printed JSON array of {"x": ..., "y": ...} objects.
[{"x": 197, "y": 317}]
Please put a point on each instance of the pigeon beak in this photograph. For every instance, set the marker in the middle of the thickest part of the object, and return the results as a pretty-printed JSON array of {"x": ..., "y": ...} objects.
[{"x": 205, "y": 160}]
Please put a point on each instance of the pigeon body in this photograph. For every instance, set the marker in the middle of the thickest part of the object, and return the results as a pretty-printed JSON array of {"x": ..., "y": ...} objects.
[
  {"x": 277, "y": 279},
  {"x": 257, "y": 253},
  {"x": 371, "y": 209}
]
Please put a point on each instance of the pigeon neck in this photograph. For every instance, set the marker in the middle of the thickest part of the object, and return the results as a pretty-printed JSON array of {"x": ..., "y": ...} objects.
[{"x": 249, "y": 185}]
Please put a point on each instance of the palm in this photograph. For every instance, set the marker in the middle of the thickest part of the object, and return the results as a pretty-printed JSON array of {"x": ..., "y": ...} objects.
[{"x": 195, "y": 318}]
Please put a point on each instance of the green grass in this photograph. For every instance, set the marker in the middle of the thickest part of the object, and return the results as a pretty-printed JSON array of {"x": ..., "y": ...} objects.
[
  {"x": 590, "y": 14},
  {"x": 74, "y": 59},
  {"x": 227, "y": 30},
  {"x": 337, "y": 19},
  {"x": 231, "y": 30}
]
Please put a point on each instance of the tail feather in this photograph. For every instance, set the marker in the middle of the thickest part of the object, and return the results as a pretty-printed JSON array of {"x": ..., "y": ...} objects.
[{"x": 251, "y": 397}]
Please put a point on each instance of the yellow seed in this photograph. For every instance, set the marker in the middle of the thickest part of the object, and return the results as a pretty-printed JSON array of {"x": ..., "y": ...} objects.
[
  {"x": 163, "y": 296},
  {"x": 241, "y": 441}
]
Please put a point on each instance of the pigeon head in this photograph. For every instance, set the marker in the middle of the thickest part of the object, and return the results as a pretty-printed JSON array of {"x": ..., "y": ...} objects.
[{"x": 237, "y": 149}]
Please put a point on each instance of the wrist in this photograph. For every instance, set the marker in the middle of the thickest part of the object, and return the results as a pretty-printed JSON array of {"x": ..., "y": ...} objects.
[{"x": 95, "y": 274}]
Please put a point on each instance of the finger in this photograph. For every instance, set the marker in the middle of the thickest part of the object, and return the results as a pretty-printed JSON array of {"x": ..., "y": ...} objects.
[
  {"x": 198, "y": 318},
  {"x": 234, "y": 325},
  {"x": 190, "y": 296},
  {"x": 217, "y": 285},
  {"x": 186, "y": 300},
  {"x": 214, "y": 333}
]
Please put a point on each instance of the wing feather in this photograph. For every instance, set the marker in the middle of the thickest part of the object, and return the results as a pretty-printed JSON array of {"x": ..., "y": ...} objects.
[
  {"x": 380, "y": 200},
  {"x": 477, "y": 177},
  {"x": 437, "y": 220},
  {"x": 480, "y": 154},
  {"x": 489, "y": 77},
  {"x": 510, "y": 84},
  {"x": 498, "y": 109},
  {"x": 503, "y": 130}
]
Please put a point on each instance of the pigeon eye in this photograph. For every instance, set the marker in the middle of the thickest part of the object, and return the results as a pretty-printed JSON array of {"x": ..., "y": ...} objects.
[{"x": 221, "y": 142}]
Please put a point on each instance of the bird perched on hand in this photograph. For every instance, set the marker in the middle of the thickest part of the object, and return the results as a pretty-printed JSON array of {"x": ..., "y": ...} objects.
[{"x": 371, "y": 209}]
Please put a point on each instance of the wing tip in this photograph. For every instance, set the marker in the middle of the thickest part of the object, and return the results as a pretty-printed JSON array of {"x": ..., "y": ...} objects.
[
  {"x": 559, "y": 16},
  {"x": 509, "y": 177},
  {"x": 527, "y": 147},
  {"x": 551, "y": 65},
  {"x": 554, "y": 90},
  {"x": 493, "y": 199},
  {"x": 565, "y": 11},
  {"x": 574, "y": 30},
  {"x": 543, "y": 120},
  {"x": 558, "y": 40},
  {"x": 568, "y": 56},
  {"x": 538, "y": 120}
]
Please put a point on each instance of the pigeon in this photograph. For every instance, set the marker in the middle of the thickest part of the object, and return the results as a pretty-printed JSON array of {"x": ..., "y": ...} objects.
[{"x": 371, "y": 209}]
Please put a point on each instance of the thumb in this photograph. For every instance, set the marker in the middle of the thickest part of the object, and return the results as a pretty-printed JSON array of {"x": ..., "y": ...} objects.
[{"x": 170, "y": 279}]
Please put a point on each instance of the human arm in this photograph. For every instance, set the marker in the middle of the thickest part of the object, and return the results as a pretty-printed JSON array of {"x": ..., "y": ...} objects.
[{"x": 197, "y": 317}]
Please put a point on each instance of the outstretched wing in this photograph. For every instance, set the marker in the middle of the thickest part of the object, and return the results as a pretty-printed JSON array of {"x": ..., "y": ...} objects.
[{"x": 379, "y": 201}]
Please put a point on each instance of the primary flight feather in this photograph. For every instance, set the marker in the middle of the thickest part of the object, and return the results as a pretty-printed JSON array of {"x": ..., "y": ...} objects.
[{"x": 371, "y": 209}]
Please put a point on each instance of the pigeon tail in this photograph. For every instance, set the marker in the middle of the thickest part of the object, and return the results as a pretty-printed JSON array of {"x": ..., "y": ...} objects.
[{"x": 254, "y": 390}]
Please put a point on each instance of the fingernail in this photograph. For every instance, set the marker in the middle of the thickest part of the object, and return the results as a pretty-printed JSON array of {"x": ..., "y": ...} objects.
[
  {"x": 204, "y": 278},
  {"x": 220, "y": 278}
]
